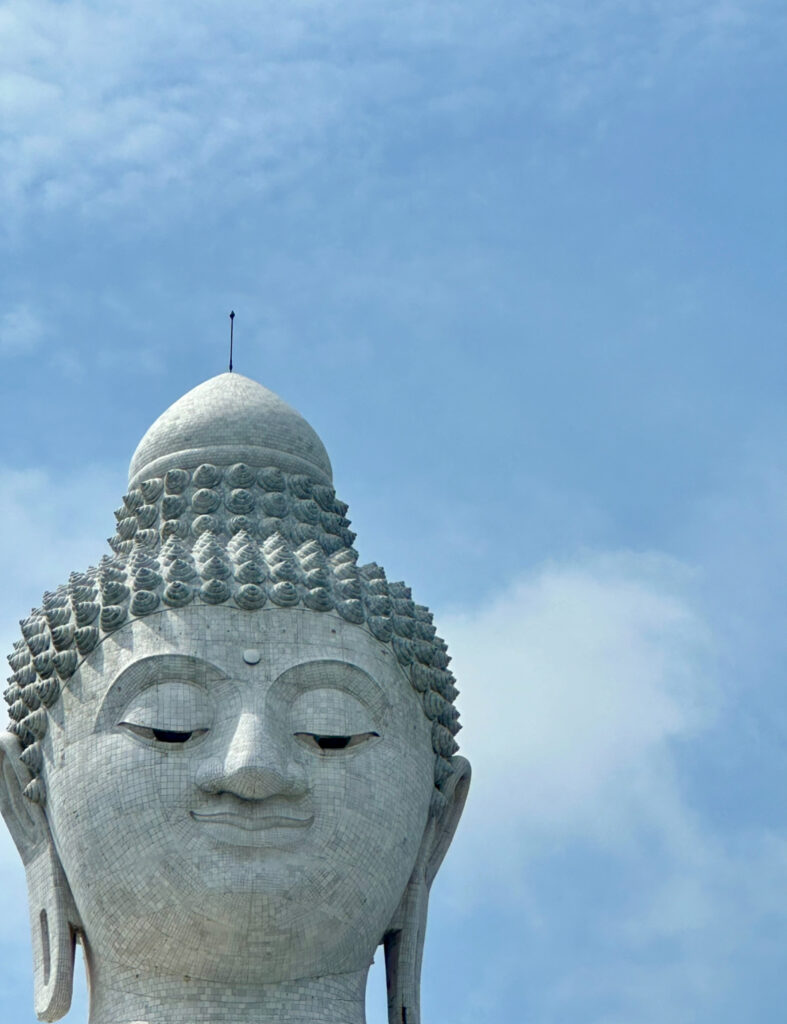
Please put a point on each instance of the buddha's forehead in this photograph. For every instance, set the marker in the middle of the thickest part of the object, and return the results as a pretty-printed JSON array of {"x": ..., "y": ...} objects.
[{"x": 236, "y": 643}]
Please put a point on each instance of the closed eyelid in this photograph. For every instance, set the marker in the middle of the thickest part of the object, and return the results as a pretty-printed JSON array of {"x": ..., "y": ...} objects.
[
  {"x": 346, "y": 680},
  {"x": 329, "y": 711},
  {"x": 169, "y": 704},
  {"x": 147, "y": 673}
]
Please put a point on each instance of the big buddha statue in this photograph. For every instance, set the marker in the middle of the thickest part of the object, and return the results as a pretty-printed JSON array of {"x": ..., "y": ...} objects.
[{"x": 231, "y": 765}]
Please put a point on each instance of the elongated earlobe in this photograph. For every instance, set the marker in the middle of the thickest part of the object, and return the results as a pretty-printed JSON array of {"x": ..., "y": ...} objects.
[
  {"x": 54, "y": 921},
  {"x": 404, "y": 940},
  {"x": 53, "y": 925}
]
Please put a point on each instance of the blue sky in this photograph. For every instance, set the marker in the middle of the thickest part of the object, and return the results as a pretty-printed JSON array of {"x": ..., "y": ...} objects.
[{"x": 522, "y": 267}]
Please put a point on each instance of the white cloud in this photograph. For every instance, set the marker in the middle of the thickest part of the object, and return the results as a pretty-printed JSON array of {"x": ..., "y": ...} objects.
[
  {"x": 574, "y": 681},
  {"x": 578, "y": 685}
]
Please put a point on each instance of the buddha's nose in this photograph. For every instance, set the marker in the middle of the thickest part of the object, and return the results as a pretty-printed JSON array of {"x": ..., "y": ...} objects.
[{"x": 256, "y": 764}]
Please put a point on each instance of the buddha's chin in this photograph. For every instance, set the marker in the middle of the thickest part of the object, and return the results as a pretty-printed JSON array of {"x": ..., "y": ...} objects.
[
  {"x": 241, "y": 950},
  {"x": 253, "y": 921}
]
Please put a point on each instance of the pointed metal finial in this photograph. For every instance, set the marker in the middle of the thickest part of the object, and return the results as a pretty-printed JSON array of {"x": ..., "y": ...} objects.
[{"x": 232, "y": 327}]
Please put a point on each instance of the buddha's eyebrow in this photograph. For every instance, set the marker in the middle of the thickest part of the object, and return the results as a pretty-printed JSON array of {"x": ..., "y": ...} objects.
[
  {"x": 149, "y": 671},
  {"x": 172, "y": 665},
  {"x": 330, "y": 673}
]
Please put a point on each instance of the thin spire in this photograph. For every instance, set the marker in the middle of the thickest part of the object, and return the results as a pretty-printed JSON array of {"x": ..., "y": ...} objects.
[{"x": 232, "y": 326}]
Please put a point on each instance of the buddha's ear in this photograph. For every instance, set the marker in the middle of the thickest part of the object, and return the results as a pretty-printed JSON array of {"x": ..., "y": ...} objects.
[
  {"x": 26, "y": 820},
  {"x": 54, "y": 920},
  {"x": 454, "y": 792},
  {"x": 404, "y": 938}
]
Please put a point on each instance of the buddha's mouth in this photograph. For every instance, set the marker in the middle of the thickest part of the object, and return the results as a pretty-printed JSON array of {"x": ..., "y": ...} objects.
[{"x": 258, "y": 820}]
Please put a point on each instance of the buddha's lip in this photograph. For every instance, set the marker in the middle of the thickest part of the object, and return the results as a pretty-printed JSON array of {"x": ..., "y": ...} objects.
[{"x": 252, "y": 823}]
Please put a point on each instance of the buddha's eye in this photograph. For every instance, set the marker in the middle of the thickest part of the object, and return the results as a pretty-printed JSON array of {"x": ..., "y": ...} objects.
[
  {"x": 168, "y": 714},
  {"x": 164, "y": 736},
  {"x": 331, "y": 721},
  {"x": 323, "y": 744}
]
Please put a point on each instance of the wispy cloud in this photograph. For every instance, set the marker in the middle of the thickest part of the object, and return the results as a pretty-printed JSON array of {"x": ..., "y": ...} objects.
[
  {"x": 574, "y": 683},
  {"x": 105, "y": 104}
]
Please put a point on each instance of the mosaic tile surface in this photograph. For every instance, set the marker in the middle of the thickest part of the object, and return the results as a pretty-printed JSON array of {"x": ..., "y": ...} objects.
[{"x": 231, "y": 765}]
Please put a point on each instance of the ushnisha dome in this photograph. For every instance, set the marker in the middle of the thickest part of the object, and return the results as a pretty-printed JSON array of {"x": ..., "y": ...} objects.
[{"x": 225, "y": 420}]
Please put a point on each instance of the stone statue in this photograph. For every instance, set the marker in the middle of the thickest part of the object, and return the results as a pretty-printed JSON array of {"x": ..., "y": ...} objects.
[{"x": 230, "y": 768}]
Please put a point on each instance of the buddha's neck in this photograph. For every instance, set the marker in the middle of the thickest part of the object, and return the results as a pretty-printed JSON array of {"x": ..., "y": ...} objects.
[{"x": 122, "y": 996}]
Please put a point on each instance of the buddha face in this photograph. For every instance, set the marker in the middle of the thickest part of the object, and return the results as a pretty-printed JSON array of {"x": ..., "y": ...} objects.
[{"x": 238, "y": 796}]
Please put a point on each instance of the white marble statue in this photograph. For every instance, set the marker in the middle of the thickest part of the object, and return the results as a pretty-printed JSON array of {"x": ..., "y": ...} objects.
[{"x": 230, "y": 768}]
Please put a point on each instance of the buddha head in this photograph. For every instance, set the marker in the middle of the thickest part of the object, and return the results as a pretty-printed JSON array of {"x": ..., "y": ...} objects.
[{"x": 230, "y": 768}]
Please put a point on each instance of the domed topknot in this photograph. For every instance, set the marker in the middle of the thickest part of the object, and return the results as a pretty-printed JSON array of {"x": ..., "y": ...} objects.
[{"x": 230, "y": 419}]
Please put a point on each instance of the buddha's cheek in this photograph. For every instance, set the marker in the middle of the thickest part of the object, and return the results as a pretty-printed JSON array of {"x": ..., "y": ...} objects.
[
  {"x": 379, "y": 827},
  {"x": 119, "y": 815}
]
